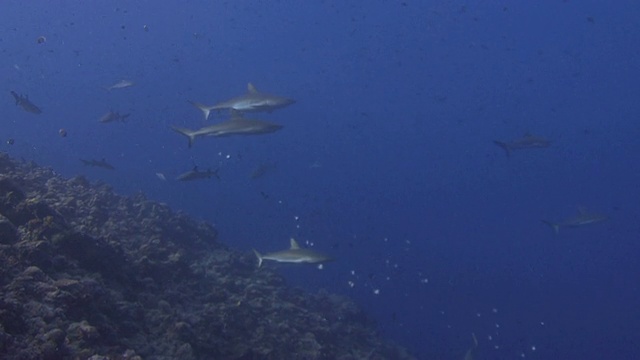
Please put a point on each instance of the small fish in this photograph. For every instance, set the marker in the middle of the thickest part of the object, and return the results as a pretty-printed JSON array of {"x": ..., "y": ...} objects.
[
  {"x": 122, "y": 84},
  {"x": 113, "y": 117},
  {"x": 584, "y": 217},
  {"x": 196, "y": 174},
  {"x": 25, "y": 103},
  {"x": 98, "y": 163},
  {"x": 237, "y": 125},
  {"x": 294, "y": 254},
  {"x": 528, "y": 141},
  {"x": 252, "y": 101}
]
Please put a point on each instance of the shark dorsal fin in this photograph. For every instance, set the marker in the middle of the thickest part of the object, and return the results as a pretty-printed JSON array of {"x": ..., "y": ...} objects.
[
  {"x": 251, "y": 88},
  {"x": 235, "y": 114},
  {"x": 582, "y": 210},
  {"x": 294, "y": 244}
]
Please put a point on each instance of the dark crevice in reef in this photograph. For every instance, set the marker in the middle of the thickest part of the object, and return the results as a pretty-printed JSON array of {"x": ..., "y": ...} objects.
[{"x": 86, "y": 273}]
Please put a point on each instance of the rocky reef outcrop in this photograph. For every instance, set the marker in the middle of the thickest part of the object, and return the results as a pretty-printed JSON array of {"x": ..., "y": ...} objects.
[{"x": 88, "y": 274}]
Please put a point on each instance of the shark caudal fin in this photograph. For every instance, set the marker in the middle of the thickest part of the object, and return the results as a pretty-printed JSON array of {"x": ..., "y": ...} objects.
[
  {"x": 259, "y": 257},
  {"x": 504, "y": 146},
  {"x": 554, "y": 226},
  {"x": 16, "y": 96},
  {"x": 206, "y": 110},
  {"x": 186, "y": 132}
]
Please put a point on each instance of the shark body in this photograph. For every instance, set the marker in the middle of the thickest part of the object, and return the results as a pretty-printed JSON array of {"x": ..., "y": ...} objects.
[
  {"x": 122, "y": 84},
  {"x": 98, "y": 163},
  {"x": 237, "y": 125},
  {"x": 252, "y": 101},
  {"x": 112, "y": 116},
  {"x": 26, "y": 104},
  {"x": 196, "y": 174},
  {"x": 528, "y": 141},
  {"x": 294, "y": 254},
  {"x": 583, "y": 218}
]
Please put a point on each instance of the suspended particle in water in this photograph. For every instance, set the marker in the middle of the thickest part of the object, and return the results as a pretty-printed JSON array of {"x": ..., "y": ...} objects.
[
  {"x": 10, "y": 141},
  {"x": 41, "y": 40},
  {"x": 62, "y": 133}
]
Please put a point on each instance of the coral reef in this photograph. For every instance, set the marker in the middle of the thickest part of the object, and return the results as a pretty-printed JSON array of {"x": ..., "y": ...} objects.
[{"x": 88, "y": 274}]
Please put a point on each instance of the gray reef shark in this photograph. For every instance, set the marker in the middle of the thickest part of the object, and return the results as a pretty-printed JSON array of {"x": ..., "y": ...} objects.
[
  {"x": 237, "y": 125},
  {"x": 112, "y": 117},
  {"x": 528, "y": 141},
  {"x": 98, "y": 163},
  {"x": 294, "y": 254},
  {"x": 122, "y": 84},
  {"x": 25, "y": 103},
  {"x": 471, "y": 351},
  {"x": 252, "y": 101},
  {"x": 196, "y": 174},
  {"x": 583, "y": 218}
]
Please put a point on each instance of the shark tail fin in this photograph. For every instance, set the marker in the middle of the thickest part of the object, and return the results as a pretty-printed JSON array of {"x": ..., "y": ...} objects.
[
  {"x": 15, "y": 96},
  {"x": 206, "y": 110},
  {"x": 259, "y": 256},
  {"x": 554, "y": 226},
  {"x": 186, "y": 132},
  {"x": 504, "y": 146}
]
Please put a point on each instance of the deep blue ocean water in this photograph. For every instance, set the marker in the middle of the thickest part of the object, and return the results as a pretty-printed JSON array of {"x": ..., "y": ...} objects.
[{"x": 387, "y": 159}]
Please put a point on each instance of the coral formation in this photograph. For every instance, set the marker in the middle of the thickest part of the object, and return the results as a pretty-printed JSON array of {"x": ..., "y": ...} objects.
[{"x": 88, "y": 274}]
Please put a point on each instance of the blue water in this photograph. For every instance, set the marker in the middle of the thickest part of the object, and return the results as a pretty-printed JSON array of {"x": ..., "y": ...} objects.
[{"x": 386, "y": 161}]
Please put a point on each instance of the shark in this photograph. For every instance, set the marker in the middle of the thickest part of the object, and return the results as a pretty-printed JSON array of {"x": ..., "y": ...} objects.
[
  {"x": 252, "y": 101},
  {"x": 527, "y": 141},
  {"x": 261, "y": 170},
  {"x": 469, "y": 355},
  {"x": 584, "y": 217},
  {"x": 122, "y": 84},
  {"x": 294, "y": 254},
  {"x": 196, "y": 174},
  {"x": 26, "y": 104},
  {"x": 98, "y": 163},
  {"x": 237, "y": 125},
  {"x": 112, "y": 116}
]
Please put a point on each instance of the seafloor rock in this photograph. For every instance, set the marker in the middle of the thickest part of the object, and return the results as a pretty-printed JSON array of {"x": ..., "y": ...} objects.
[{"x": 88, "y": 274}]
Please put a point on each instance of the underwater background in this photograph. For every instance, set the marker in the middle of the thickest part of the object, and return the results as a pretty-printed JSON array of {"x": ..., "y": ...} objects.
[{"x": 386, "y": 161}]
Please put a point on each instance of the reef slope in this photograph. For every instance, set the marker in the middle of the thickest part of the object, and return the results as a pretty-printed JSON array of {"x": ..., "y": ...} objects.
[{"x": 88, "y": 274}]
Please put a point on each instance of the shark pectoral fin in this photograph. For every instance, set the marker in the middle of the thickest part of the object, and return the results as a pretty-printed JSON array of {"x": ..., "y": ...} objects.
[
  {"x": 186, "y": 132},
  {"x": 251, "y": 89},
  {"x": 294, "y": 244},
  {"x": 504, "y": 146},
  {"x": 554, "y": 226},
  {"x": 206, "y": 110},
  {"x": 258, "y": 256}
]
